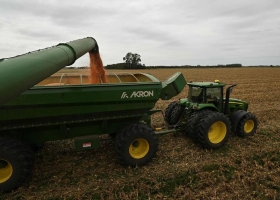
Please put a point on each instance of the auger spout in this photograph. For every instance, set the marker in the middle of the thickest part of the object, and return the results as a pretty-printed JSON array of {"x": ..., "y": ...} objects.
[{"x": 18, "y": 74}]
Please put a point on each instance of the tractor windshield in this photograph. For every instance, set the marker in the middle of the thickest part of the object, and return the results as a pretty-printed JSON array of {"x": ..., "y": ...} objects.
[
  {"x": 214, "y": 96},
  {"x": 213, "y": 93},
  {"x": 195, "y": 94}
]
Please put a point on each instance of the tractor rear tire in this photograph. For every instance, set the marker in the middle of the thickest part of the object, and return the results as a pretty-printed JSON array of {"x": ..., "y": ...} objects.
[
  {"x": 16, "y": 163},
  {"x": 177, "y": 114},
  {"x": 213, "y": 130},
  {"x": 168, "y": 111},
  {"x": 192, "y": 123},
  {"x": 247, "y": 126},
  {"x": 136, "y": 145}
]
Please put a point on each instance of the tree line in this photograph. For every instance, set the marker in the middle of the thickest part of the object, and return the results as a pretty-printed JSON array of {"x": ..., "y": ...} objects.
[{"x": 133, "y": 61}]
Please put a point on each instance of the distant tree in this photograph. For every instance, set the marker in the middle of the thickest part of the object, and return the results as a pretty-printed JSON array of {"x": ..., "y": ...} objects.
[
  {"x": 116, "y": 66},
  {"x": 133, "y": 60}
]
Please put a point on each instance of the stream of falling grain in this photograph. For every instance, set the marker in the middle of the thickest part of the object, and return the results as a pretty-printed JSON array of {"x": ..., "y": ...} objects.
[{"x": 97, "y": 72}]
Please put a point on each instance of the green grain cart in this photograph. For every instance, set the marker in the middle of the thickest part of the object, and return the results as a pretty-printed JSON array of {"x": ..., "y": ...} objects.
[{"x": 32, "y": 115}]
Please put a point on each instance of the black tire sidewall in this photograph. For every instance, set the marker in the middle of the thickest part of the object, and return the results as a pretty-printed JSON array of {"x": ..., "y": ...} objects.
[
  {"x": 149, "y": 154},
  {"x": 129, "y": 135},
  {"x": 176, "y": 114},
  {"x": 16, "y": 164},
  {"x": 193, "y": 121},
  {"x": 21, "y": 158},
  {"x": 207, "y": 122},
  {"x": 168, "y": 111},
  {"x": 240, "y": 127}
]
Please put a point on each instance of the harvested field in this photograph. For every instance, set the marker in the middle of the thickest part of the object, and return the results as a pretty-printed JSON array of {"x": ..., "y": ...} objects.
[{"x": 245, "y": 168}]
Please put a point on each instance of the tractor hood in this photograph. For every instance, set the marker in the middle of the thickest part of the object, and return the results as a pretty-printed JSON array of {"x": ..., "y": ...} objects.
[{"x": 237, "y": 103}]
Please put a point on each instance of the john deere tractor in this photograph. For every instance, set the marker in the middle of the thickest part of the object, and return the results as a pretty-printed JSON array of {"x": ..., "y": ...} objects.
[{"x": 208, "y": 117}]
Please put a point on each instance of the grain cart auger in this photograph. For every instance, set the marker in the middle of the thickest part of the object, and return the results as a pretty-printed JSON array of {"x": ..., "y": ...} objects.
[
  {"x": 32, "y": 115},
  {"x": 208, "y": 117}
]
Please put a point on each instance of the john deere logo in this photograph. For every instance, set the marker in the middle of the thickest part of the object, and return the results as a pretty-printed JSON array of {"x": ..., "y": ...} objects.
[{"x": 137, "y": 94}]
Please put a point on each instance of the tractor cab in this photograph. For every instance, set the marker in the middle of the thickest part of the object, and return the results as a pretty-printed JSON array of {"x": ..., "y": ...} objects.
[
  {"x": 211, "y": 95},
  {"x": 206, "y": 93}
]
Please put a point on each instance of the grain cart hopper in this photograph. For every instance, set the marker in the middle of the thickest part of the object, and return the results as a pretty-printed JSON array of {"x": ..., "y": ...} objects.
[
  {"x": 32, "y": 115},
  {"x": 208, "y": 116}
]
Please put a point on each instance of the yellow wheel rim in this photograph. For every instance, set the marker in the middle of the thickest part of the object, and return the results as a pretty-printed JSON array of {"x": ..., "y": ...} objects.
[
  {"x": 139, "y": 148},
  {"x": 217, "y": 132},
  {"x": 6, "y": 170},
  {"x": 249, "y": 126}
]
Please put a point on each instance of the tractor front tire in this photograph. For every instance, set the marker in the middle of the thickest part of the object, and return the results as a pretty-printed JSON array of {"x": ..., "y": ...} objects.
[
  {"x": 168, "y": 111},
  {"x": 16, "y": 163},
  {"x": 213, "y": 130},
  {"x": 247, "y": 126},
  {"x": 136, "y": 145}
]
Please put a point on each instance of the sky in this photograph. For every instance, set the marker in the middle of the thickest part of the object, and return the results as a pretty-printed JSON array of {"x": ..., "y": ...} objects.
[{"x": 169, "y": 32}]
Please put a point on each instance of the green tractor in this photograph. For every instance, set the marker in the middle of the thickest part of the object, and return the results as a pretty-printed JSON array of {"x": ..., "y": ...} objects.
[{"x": 208, "y": 117}]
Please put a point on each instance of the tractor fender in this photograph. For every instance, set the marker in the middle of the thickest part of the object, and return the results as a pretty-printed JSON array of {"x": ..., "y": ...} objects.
[
  {"x": 206, "y": 106},
  {"x": 235, "y": 118}
]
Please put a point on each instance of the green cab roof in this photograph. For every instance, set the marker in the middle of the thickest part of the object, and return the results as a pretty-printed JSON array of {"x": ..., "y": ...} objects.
[{"x": 206, "y": 84}]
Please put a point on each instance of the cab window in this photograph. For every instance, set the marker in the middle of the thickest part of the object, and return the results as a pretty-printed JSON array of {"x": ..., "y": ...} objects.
[
  {"x": 213, "y": 95},
  {"x": 195, "y": 94}
]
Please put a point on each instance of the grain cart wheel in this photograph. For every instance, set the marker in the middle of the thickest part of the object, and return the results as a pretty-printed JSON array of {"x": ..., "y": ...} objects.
[
  {"x": 136, "y": 145},
  {"x": 247, "y": 126},
  {"x": 192, "y": 123},
  {"x": 176, "y": 114},
  {"x": 213, "y": 130},
  {"x": 16, "y": 163},
  {"x": 168, "y": 111}
]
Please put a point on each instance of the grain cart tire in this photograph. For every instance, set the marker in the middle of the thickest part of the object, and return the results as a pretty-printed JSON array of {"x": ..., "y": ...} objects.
[
  {"x": 168, "y": 111},
  {"x": 247, "y": 126},
  {"x": 192, "y": 123},
  {"x": 213, "y": 130},
  {"x": 16, "y": 163},
  {"x": 136, "y": 145},
  {"x": 176, "y": 114}
]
